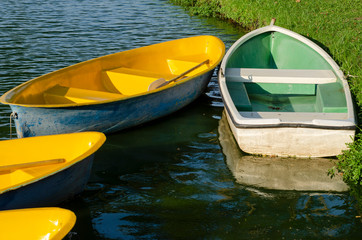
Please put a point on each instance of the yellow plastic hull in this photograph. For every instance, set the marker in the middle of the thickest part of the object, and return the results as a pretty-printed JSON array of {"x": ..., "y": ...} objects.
[{"x": 35, "y": 224}]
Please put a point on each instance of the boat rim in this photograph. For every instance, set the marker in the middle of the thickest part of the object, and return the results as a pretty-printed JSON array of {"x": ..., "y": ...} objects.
[
  {"x": 276, "y": 123},
  {"x": 274, "y": 28}
]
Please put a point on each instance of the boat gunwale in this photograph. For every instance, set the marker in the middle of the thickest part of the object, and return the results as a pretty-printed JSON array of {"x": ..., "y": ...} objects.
[
  {"x": 241, "y": 122},
  {"x": 61, "y": 166},
  {"x": 122, "y": 98},
  {"x": 279, "y": 124}
]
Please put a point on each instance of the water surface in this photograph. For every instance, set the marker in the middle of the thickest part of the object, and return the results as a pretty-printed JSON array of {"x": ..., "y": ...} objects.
[{"x": 167, "y": 179}]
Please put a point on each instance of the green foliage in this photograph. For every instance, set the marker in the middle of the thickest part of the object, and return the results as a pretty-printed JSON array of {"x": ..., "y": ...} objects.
[
  {"x": 350, "y": 163},
  {"x": 350, "y": 166},
  {"x": 205, "y": 8},
  {"x": 185, "y": 3}
]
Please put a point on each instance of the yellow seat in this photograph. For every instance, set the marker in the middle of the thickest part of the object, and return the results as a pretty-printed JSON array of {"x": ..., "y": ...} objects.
[
  {"x": 63, "y": 95},
  {"x": 130, "y": 81},
  {"x": 179, "y": 66}
]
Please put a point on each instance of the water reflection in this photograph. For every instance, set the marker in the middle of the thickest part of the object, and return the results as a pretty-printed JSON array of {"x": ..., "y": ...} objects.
[
  {"x": 275, "y": 172},
  {"x": 180, "y": 188}
]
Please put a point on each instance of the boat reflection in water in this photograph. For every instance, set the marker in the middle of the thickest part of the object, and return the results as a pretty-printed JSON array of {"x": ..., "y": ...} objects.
[{"x": 302, "y": 174}]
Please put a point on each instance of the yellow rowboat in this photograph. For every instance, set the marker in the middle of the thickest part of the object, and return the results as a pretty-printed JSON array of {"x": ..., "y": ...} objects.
[
  {"x": 44, "y": 171},
  {"x": 116, "y": 91},
  {"x": 36, "y": 223}
]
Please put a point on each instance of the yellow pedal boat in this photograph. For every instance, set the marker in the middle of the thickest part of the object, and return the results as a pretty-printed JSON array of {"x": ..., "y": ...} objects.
[
  {"x": 116, "y": 91},
  {"x": 36, "y": 223},
  {"x": 44, "y": 171}
]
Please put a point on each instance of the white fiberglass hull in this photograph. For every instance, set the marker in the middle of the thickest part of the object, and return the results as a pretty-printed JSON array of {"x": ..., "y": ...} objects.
[{"x": 291, "y": 141}]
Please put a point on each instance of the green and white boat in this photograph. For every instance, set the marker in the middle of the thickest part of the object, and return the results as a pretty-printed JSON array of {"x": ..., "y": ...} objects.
[{"x": 285, "y": 96}]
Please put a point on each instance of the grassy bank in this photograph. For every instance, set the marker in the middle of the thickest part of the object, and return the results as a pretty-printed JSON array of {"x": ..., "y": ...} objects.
[{"x": 335, "y": 25}]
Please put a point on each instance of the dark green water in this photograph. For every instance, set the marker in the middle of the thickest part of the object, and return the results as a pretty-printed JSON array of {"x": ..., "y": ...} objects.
[{"x": 167, "y": 179}]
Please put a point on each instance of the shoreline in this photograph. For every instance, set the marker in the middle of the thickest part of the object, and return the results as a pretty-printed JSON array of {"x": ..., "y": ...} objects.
[{"x": 335, "y": 31}]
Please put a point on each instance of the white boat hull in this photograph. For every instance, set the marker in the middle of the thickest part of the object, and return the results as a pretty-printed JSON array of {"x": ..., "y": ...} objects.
[{"x": 291, "y": 141}]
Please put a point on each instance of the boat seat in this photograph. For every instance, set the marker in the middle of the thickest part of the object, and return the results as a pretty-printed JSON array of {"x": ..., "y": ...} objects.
[
  {"x": 128, "y": 81},
  {"x": 64, "y": 95},
  {"x": 280, "y": 75},
  {"x": 239, "y": 95},
  {"x": 331, "y": 98},
  {"x": 178, "y": 66}
]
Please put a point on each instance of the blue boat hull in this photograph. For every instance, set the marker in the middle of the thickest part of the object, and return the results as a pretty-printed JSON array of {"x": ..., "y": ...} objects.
[
  {"x": 51, "y": 190},
  {"x": 107, "y": 117}
]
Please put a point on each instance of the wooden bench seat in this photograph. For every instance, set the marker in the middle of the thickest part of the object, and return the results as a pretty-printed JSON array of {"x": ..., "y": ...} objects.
[
  {"x": 64, "y": 95},
  {"x": 280, "y": 75}
]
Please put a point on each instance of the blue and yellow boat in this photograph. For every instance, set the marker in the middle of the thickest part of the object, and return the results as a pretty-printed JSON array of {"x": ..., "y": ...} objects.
[
  {"x": 44, "y": 171},
  {"x": 116, "y": 91}
]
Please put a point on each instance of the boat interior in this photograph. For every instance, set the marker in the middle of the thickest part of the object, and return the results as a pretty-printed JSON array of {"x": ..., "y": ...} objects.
[
  {"x": 285, "y": 96},
  {"x": 274, "y": 72},
  {"x": 122, "y": 74},
  {"x": 112, "y": 84},
  {"x": 118, "y": 83}
]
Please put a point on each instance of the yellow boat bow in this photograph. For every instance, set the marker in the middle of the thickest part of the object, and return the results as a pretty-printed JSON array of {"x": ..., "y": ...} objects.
[{"x": 36, "y": 223}]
